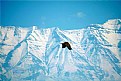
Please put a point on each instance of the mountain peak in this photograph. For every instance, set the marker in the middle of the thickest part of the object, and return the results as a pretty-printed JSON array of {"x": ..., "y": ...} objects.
[
  {"x": 113, "y": 24},
  {"x": 114, "y": 21}
]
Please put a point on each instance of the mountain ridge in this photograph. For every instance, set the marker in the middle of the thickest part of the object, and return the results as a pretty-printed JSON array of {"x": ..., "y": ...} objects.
[{"x": 37, "y": 54}]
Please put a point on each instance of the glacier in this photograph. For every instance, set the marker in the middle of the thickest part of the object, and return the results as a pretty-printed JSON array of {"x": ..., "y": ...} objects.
[{"x": 36, "y": 54}]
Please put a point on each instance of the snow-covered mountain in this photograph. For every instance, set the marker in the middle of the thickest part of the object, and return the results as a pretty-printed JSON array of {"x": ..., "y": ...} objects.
[{"x": 35, "y": 54}]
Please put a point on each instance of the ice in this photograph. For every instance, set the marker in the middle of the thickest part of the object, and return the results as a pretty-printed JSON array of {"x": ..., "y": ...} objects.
[{"x": 36, "y": 54}]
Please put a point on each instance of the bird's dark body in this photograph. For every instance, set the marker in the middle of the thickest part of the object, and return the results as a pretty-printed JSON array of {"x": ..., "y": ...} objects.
[{"x": 66, "y": 44}]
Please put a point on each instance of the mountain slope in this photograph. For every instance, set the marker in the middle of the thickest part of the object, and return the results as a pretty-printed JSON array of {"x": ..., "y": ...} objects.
[{"x": 37, "y": 54}]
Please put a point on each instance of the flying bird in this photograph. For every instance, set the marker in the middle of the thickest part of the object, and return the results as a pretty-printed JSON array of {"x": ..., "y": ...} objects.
[{"x": 66, "y": 44}]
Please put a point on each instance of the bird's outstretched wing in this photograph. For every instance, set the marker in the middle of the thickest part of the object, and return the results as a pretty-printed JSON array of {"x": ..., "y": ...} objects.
[
  {"x": 63, "y": 45},
  {"x": 69, "y": 47}
]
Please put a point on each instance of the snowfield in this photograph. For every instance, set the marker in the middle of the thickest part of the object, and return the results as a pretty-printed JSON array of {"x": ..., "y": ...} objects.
[{"x": 35, "y": 54}]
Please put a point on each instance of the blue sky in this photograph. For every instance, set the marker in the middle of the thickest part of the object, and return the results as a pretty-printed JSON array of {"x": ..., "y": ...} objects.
[{"x": 62, "y": 14}]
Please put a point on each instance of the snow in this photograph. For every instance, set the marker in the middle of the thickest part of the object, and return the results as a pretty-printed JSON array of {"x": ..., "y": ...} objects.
[
  {"x": 35, "y": 54},
  {"x": 113, "y": 24}
]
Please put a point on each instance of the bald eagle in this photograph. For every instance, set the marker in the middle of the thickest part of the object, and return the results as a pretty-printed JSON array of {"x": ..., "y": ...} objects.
[{"x": 66, "y": 44}]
